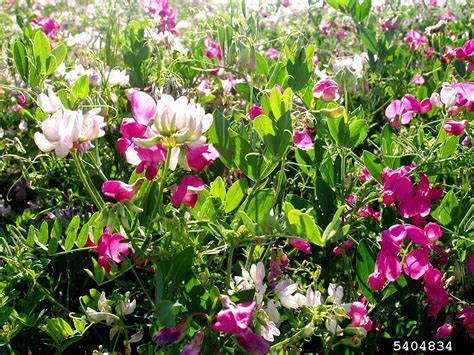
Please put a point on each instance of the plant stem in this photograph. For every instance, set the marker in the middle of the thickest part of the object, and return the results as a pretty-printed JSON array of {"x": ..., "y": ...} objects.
[
  {"x": 164, "y": 174},
  {"x": 86, "y": 180}
]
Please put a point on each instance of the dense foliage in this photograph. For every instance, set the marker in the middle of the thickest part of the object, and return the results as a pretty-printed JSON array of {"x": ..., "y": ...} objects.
[{"x": 237, "y": 177}]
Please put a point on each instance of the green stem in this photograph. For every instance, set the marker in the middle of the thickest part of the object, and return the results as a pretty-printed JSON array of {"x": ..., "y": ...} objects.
[
  {"x": 162, "y": 182},
  {"x": 229, "y": 267},
  {"x": 86, "y": 180}
]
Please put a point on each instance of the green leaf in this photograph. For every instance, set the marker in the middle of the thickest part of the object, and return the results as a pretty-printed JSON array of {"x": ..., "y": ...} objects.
[
  {"x": 301, "y": 68},
  {"x": 257, "y": 205},
  {"x": 262, "y": 65},
  {"x": 333, "y": 227},
  {"x": 30, "y": 239},
  {"x": 56, "y": 57},
  {"x": 58, "y": 329},
  {"x": 21, "y": 60},
  {"x": 374, "y": 168},
  {"x": 71, "y": 232},
  {"x": 217, "y": 188},
  {"x": 275, "y": 102},
  {"x": 365, "y": 265},
  {"x": 41, "y": 50},
  {"x": 449, "y": 147},
  {"x": 345, "y": 135},
  {"x": 83, "y": 236},
  {"x": 368, "y": 39},
  {"x": 219, "y": 137},
  {"x": 304, "y": 226},
  {"x": 245, "y": 158},
  {"x": 164, "y": 313},
  {"x": 235, "y": 195},
  {"x": 80, "y": 89},
  {"x": 43, "y": 233},
  {"x": 277, "y": 136}
]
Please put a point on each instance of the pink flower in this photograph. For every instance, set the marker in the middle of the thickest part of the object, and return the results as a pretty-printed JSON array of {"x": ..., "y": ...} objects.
[
  {"x": 213, "y": 50},
  {"x": 201, "y": 157},
  {"x": 302, "y": 140},
  {"x": 50, "y": 27},
  {"x": 358, "y": 314},
  {"x": 347, "y": 247},
  {"x": 109, "y": 249},
  {"x": 417, "y": 235},
  {"x": 402, "y": 111},
  {"x": 187, "y": 190},
  {"x": 416, "y": 263},
  {"x": 253, "y": 343},
  {"x": 301, "y": 245},
  {"x": 386, "y": 25},
  {"x": 255, "y": 111},
  {"x": 285, "y": 3},
  {"x": 194, "y": 346},
  {"x": 272, "y": 53},
  {"x": 437, "y": 297},
  {"x": 325, "y": 27},
  {"x": 415, "y": 39},
  {"x": 418, "y": 79},
  {"x": 433, "y": 232},
  {"x": 143, "y": 107},
  {"x": 327, "y": 90},
  {"x": 163, "y": 12},
  {"x": 444, "y": 332},
  {"x": 369, "y": 211},
  {"x": 425, "y": 106},
  {"x": 470, "y": 264},
  {"x": 455, "y": 128},
  {"x": 234, "y": 318},
  {"x": 468, "y": 315},
  {"x": 388, "y": 265},
  {"x": 170, "y": 335},
  {"x": 376, "y": 280},
  {"x": 365, "y": 175},
  {"x": 119, "y": 190},
  {"x": 433, "y": 276}
]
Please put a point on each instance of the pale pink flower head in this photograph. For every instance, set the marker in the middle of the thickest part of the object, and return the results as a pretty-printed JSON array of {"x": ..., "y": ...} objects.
[
  {"x": 187, "y": 190},
  {"x": 302, "y": 140},
  {"x": 234, "y": 318},
  {"x": 110, "y": 247},
  {"x": 455, "y": 128},
  {"x": 272, "y": 53},
  {"x": 435, "y": 100},
  {"x": 325, "y": 27},
  {"x": 327, "y": 90},
  {"x": 301, "y": 245},
  {"x": 119, "y": 190}
]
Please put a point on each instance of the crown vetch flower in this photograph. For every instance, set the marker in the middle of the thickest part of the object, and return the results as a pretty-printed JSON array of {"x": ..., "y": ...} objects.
[
  {"x": 110, "y": 247},
  {"x": 119, "y": 190},
  {"x": 234, "y": 318},
  {"x": 187, "y": 190}
]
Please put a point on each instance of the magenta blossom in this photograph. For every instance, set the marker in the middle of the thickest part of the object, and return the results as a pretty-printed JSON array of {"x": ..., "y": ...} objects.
[
  {"x": 302, "y": 140},
  {"x": 401, "y": 111},
  {"x": 187, "y": 190},
  {"x": 467, "y": 314},
  {"x": 415, "y": 39},
  {"x": 418, "y": 79},
  {"x": 347, "y": 247},
  {"x": 416, "y": 263},
  {"x": 202, "y": 157},
  {"x": 49, "y": 26},
  {"x": 327, "y": 90},
  {"x": 272, "y": 53},
  {"x": 119, "y": 190},
  {"x": 301, "y": 245},
  {"x": 234, "y": 318},
  {"x": 444, "y": 332},
  {"x": 110, "y": 247},
  {"x": 162, "y": 11},
  {"x": 194, "y": 346},
  {"x": 365, "y": 175},
  {"x": 213, "y": 49},
  {"x": 255, "y": 111},
  {"x": 170, "y": 335},
  {"x": 358, "y": 314},
  {"x": 456, "y": 128},
  {"x": 253, "y": 343}
]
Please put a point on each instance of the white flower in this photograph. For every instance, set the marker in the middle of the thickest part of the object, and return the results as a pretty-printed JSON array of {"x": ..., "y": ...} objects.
[
  {"x": 269, "y": 329},
  {"x": 285, "y": 291},
  {"x": 50, "y": 103},
  {"x": 313, "y": 298},
  {"x": 67, "y": 129},
  {"x": 332, "y": 325},
  {"x": 177, "y": 124},
  {"x": 118, "y": 77},
  {"x": 124, "y": 308},
  {"x": 251, "y": 280},
  {"x": 335, "y": 293}
]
